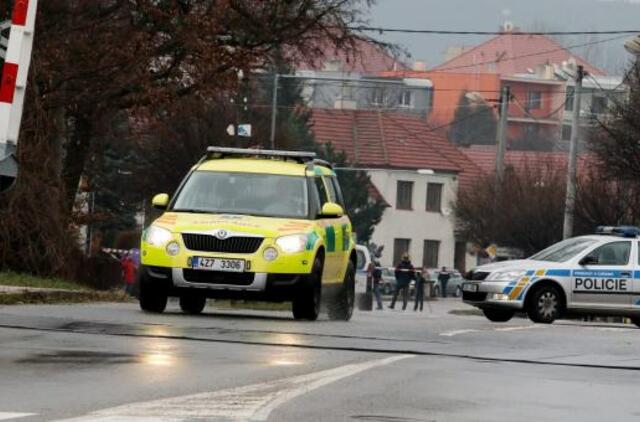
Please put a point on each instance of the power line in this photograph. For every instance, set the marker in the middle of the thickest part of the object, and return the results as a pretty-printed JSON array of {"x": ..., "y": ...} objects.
[{"x": 517, "y": 33}]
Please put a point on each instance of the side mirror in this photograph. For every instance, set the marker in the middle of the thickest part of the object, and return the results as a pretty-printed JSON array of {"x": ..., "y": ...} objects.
[
  {"x": 588, "y": 260},
  {"x": 160, "y": 201},
  {"x": 331, "y": 210}
]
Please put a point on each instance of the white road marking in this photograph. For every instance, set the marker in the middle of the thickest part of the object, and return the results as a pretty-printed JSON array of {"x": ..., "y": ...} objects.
[
  {"x": 8, "y": 415},
  {"x": 501, "y": 329},
  {"x": 457, "y": 332},
  {"x": 249, "y": 403}
]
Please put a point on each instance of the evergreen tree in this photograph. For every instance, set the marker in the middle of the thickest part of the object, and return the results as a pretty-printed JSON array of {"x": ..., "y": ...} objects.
[{"x": 474, "y": 123}]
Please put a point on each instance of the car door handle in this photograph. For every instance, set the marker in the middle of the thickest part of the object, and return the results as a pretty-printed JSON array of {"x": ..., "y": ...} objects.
[{"x": 625, "y": 274}]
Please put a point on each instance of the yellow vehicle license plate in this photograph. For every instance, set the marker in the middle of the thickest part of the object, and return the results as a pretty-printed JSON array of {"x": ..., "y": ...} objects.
[{"x": 217, "y": 264}]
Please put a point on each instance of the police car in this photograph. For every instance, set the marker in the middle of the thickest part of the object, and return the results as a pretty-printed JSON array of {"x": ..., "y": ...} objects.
[{"x": 595, "y": 274}]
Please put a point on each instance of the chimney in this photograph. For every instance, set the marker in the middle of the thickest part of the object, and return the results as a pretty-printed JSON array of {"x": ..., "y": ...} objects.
[{"x": 420, "y": 66}]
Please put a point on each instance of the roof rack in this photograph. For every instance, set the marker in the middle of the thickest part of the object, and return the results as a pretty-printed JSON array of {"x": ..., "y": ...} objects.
[
  {"x": 299, "y": 156},
  {"x": 622, "y": 231}
]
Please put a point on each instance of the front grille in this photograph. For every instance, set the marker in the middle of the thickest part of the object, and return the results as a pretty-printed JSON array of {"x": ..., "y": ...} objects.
[
  {"x": 474, "y": 296},
  {"x": 207, "y": 243},
  {"x": 218, "y": 277},
  {"x": 476, "y": 275}
]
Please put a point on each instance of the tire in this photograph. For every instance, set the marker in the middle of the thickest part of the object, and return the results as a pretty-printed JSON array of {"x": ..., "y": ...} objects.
[
  {"x": 498, "y": 315},
  {"x": 636, "y": 320},
  {"x": 153, "y": 294},
  {"x": 545, "y": 305},
  {"x": 458, "y": 292},
  {"x": 342, "y": 307},
  {"x": 306, "y": 304},
  {"x": 192, "y": 303}
]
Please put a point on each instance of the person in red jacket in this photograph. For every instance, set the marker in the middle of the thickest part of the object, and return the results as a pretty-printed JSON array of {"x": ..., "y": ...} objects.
[{"x": 128, "y": 273}]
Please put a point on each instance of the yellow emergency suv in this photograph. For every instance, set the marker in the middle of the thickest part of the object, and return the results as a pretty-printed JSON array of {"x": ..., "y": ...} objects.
[{"x": 252, "y": 224}]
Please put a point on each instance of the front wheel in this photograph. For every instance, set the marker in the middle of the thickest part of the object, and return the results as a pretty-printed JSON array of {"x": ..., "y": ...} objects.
[
  {"x": 636, "y": 320},
  {"x": 153, "y": 294},
  {"x": 498, "y": 315},
  {"x": 192, "y": 304},
  {"x": 545, "y": 305},
  {"x": 342, "y": 307},
  {"x": 306, "y": 304}
]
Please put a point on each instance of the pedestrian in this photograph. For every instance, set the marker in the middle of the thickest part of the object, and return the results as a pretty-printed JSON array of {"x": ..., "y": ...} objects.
[
  {"x": 376, "y": 275},
  {"x": 404, "y": 274},
  {"x": 420, "y": 281},
  {"x": 128, "y": 273},
  {"x": 443, "y": 279}
]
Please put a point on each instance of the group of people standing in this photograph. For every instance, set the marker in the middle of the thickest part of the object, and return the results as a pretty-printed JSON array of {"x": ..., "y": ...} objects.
[{"x": 405, "y": 273}]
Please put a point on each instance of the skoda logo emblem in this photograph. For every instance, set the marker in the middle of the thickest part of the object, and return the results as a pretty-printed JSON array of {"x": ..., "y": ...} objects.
[{"x": 221, "y": 234}]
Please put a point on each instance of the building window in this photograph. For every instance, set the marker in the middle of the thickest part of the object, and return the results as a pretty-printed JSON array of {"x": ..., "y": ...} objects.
[
  {"x": 434, "y": 197},
  {"x": 404, "y": 195},
  {"x": 346, "y": 92},
  {"x": 400, "y": 247},
  {"x": 531, "y": 131},
  {"x": 566, "y": 132},
  {"x": 534, "y": 100},
  {"x": 568, "y": 104},
  {"x": 598, "y": 105},
  {"x": 377, "y": 96},
  {"x": 406, "y": 99},
  {"x": 430, "y": 253}
]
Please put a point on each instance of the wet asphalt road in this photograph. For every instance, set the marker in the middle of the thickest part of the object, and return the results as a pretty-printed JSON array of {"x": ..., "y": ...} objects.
[{"x": 111, "y": 362}]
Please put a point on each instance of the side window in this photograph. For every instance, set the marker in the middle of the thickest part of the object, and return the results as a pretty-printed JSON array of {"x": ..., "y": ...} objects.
[
  {"x": 322, "y": 191},
  {"x": 614, "y": 253},
  {"x": 333, "y": 197},
  {"x": 337, "y": 192}
]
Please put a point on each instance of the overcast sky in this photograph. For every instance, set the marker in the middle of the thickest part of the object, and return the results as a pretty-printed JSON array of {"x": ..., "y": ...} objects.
[{"x": 488, "y": 15}]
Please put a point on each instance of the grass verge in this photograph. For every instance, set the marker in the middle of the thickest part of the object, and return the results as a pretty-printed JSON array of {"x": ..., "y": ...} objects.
[
  {"x": 26, "y": 280},
  {"x": 71, "y": 296}
]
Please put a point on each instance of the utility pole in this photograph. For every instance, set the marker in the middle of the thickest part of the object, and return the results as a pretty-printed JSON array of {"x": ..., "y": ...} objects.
[
  {"x": 505, "y": 96},
  {"x": 570, "y": 202},
  {"x": 274, "y": 110}
]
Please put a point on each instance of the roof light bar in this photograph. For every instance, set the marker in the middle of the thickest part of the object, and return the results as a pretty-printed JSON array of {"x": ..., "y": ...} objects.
[
  {"x": 302, "y": 155},
  {"x": 622, "y": 231}
]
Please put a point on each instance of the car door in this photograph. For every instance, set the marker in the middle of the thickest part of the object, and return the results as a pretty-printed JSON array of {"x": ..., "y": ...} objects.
[
  {"x": 342, "y": 225},
  {"x": 604, "y": 278},
  {"x": 330, "y": 234}
]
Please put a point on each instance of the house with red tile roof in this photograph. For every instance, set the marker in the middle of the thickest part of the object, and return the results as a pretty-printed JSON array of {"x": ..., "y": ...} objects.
[{"x": 415, "y": 170}]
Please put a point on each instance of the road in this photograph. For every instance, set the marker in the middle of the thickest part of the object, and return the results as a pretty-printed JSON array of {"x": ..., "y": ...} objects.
[{"x": 111, "y": 362}]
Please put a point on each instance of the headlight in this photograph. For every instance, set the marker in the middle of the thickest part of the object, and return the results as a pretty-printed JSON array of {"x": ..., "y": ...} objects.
[
  {"x": 293, "y": 243},
  {"x": 157, "y": 236},
  {"x": 173, "y": 248},
  {"x": 270, "y": 254},
  {"x": 507, "y": 275}
]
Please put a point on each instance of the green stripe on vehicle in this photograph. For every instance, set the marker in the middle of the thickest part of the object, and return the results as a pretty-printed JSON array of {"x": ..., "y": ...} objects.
[{"x": 331, "y": 238}]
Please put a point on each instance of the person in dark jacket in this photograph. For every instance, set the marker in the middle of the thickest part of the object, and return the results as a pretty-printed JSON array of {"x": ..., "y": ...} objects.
[
  {"x": 376, "y": 275},
  {"x": 443, "y": 278},
  {"x": 420, "y": 280},
  {"x": 404, "y": 274}
]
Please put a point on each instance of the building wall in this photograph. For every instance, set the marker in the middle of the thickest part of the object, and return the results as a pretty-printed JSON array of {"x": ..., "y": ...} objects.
[{"x": 417, "y": 224}]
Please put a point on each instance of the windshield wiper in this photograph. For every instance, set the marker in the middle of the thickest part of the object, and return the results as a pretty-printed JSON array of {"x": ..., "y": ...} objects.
[{"x": 192, "y": 211}]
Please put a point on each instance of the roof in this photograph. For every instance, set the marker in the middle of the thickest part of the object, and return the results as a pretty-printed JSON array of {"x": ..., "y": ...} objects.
[
  {"x": 391, "y": 140},
  {"x": 484, "y": 156},
  {"x": 510, "y": 54},
  {"x": 259, "y": 165},
  {"x": 369, "y": 58}
]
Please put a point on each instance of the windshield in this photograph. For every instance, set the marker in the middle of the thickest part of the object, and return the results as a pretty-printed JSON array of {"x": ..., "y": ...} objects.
[
  {"x": 563, "y": 251},
  {"x": 244, "y": 193}
]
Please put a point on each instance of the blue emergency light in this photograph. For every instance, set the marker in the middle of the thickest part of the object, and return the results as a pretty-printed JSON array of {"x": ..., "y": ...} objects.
[{"x": 622, "y": 231}]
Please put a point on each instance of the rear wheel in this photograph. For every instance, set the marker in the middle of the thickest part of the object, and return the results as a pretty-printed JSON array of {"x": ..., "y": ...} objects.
[
  {"x": 545, "y": 305},
  {"x": 306, "y": 304},
  {"x": 192, "y": 303},
  {"x": 342, "y": 307},
  {"x": 498, "y": 315},
  {"x": 636, "y": 320},
  {"x": 153, "y": 294}
]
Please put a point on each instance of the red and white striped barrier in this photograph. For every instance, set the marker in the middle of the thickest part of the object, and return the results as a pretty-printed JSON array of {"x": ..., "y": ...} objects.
[{"x": 15, "y": 70}]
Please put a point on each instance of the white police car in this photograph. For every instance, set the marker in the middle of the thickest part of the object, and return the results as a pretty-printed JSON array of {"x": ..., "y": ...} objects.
[{"x": 595, "y": 274}]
